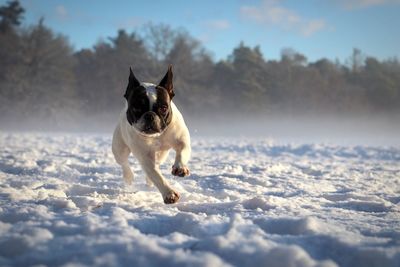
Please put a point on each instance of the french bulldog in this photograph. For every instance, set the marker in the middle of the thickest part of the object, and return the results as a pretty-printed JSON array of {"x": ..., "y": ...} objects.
[{"x": 148, "y": 127}]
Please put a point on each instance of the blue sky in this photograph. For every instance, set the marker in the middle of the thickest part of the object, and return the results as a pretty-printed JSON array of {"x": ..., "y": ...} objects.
[{"x": 316, "y": 28}]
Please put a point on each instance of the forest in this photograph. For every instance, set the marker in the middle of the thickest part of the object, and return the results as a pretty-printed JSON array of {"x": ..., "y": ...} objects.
[{"x": 44, "y": 79}]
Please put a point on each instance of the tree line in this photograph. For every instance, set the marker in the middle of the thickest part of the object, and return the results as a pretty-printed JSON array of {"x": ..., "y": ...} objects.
[{"x": 42, "y": 76}]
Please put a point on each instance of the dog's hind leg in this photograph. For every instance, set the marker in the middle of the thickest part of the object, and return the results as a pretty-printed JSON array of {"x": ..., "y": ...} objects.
[{"x": 121, "y": 153}]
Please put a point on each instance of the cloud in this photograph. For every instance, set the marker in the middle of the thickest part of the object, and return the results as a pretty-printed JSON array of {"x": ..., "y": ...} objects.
[
  {"x": 357, "y": 4},
  {"x": 312, "y": 27},
  {"x": 271, "y": 13},
  {"x": 218, "y": 24},
  {"x": 205, "y": 38},
  {"x": 212, "y": 29},
  {"x": 61, "y": 12},
  {"x": 129, "y": 23}
]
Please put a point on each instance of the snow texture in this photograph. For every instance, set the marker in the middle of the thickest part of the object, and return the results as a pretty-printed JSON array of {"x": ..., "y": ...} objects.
[{"x": 247, "y": 203}]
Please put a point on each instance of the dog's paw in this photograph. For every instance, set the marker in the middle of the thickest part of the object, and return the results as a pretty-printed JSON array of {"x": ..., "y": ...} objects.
[
  {"x": 180, "y": 171},
  {"x": 172, "y": 197}
]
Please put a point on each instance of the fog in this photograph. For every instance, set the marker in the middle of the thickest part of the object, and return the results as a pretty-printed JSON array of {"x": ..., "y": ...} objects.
[
  {"x": 374, "y": 130},
  {"x": 344, "y": 130},
  {"x": 47, "y": 85}
]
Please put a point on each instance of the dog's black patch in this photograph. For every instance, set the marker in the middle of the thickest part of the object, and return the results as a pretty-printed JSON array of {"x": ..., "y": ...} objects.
[
  {"x": 163, "y": 105},
  {"x": 166, "y": 82},
  {"x": 133, "y": 83},
  {"x": 139, "y": 104}
]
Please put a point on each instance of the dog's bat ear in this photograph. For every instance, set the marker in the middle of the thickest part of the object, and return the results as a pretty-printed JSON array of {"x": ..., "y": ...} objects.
[
  {"x": 132, "y": 79},
  {"x": 166, "y": 82},
  {"x": 133, "y": 83}
]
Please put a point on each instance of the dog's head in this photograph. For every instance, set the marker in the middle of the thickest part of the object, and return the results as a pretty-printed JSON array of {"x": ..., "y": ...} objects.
[{"x": 149, "y": 105}]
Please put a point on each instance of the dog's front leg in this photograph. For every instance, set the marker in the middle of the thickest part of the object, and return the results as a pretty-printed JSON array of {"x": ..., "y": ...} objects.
[
  {"x": 182, "y": 157},
  {"x": 152, "y": 171}
]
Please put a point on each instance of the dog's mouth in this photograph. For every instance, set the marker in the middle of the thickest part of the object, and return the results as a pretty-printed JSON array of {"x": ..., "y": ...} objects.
[
  {"x": 149, "y": 127},
  {"x": 150, "y": 130}
]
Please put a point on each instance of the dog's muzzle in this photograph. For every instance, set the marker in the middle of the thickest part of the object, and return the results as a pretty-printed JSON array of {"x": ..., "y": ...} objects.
[{"x": 152, "y": 123}]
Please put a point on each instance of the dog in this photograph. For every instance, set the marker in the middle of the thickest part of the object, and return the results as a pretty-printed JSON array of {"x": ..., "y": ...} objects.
[{"x": 148, "y": 127}]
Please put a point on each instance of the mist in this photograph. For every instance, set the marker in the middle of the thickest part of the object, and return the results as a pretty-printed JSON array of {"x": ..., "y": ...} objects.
[
  {"x": 46, "y": 85},
  {"x": 328, "y": 129},
  {"x": 373, "y": 130}
]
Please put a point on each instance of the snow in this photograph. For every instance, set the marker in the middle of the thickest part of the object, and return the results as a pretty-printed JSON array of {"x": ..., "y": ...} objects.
[{"x": 248, "y": 202}]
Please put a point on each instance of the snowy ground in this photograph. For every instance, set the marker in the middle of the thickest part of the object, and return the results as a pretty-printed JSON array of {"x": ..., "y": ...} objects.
[{"x": 247, "y": 203}]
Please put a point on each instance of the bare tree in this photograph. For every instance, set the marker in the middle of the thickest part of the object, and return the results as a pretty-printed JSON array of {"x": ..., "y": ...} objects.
[{"x": 159, "y": 40}]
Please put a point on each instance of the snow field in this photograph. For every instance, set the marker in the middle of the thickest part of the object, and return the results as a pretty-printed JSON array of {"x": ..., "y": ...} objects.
[{"x": 247, "y": 203}]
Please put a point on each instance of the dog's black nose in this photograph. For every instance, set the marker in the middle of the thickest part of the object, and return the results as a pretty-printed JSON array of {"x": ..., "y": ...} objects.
[{"x": 149, "y": 117}]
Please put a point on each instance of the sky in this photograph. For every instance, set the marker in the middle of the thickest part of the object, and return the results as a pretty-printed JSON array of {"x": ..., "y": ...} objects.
[{"x": 316, "y": 28}]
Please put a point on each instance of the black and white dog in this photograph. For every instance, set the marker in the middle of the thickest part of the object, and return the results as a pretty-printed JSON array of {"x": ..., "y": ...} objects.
[{"x": 148, "y": 127}]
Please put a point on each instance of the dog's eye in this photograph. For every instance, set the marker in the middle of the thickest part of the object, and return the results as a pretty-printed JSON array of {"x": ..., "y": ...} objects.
[{"x": 163, "y": 109}]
